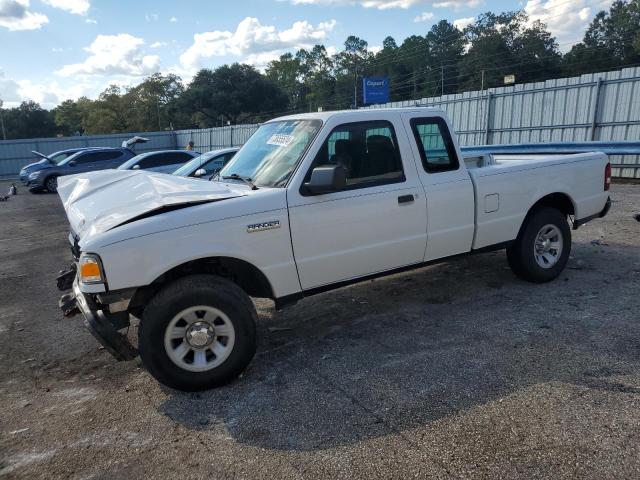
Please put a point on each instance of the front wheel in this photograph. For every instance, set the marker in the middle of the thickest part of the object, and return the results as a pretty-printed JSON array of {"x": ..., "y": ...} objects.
[
  {"x": 197, "y": 333},
  {"x": 51, "y": 184},
  {"x": 542, "y": 248}
]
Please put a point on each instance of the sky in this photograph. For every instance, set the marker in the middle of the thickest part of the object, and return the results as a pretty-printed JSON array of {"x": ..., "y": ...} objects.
[{"x": 52, "y": 50}]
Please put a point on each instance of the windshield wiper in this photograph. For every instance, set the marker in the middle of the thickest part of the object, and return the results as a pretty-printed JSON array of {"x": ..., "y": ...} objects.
[{"x": 235, "y": 176}]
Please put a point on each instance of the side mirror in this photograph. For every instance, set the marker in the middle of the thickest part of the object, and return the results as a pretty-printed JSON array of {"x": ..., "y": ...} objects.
[
  {"x": 201, "y": 172},
  {"x": 326, "y": 179},
  {"x": 72, "y": 163},
  {"x": 135, "y": 167}
]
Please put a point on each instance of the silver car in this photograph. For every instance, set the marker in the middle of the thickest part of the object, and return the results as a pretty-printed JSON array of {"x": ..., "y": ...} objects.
[{"x": 207, "y": 164}]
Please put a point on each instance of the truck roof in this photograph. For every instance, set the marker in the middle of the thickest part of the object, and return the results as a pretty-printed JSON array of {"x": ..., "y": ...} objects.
[{"x": 365, "y": 112}]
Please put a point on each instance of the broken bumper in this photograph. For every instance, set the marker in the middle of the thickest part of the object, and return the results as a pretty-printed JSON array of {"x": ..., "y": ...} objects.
[{"x": 102, "y": 324}]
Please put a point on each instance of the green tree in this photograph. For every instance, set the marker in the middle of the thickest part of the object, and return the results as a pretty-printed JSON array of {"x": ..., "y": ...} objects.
[
  {"x": 503, "y": 44},
  {"x": 154, "y": 102},
  {"x": 237, "y": 93},
  {"x": 611, "y": 40},
  {"x": 316, "y": 70},
  {"x": 286, "y": 73},
  {"x": 29, "y": 120}
]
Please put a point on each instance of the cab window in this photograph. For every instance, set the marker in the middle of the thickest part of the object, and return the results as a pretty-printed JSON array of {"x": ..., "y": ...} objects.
[
  {"x": 434, "y": 142},
  {"x": 367, "y": 150}
]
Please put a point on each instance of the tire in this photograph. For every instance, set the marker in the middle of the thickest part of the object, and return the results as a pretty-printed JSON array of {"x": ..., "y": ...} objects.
[
  {"x": 532, "y": 255},
  {"x": 191, "y": 303},
  {"x": 51, "y": 184}
]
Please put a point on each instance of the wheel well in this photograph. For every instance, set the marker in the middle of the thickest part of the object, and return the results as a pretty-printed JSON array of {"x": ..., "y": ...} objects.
[
  {"x": 242, "y": 273},
  {"x": 559, "y": 201}
]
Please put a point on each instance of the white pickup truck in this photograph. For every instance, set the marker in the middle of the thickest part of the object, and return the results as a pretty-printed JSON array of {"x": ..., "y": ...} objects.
[{"x": 310, "y": 203}]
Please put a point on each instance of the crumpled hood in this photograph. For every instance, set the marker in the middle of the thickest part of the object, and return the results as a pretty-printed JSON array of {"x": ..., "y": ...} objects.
[{"x": 99, "y": 201}]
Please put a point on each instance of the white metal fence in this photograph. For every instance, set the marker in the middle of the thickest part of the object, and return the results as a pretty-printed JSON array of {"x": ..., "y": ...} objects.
[{"x": 597, "y": 106}]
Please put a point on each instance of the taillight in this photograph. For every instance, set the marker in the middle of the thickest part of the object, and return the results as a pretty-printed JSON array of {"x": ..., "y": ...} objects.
[{"x": 607, "y": 177}]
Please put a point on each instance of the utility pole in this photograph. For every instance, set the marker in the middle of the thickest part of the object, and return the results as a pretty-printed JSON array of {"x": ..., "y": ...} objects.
[
  {"x": 482, "y": 82},
  {"x": 441, "y": 80},
  {"x": 4, "y": 133},
  {"x": 158, "y": 108},
  {"x": 355, "y": 80}
]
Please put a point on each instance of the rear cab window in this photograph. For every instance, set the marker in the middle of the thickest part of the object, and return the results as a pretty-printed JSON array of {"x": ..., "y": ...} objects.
[{"x": 434, "y": 142}]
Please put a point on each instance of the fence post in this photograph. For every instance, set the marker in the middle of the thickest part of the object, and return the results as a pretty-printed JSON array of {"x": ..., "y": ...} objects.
[
  {"x": 211, "y": 138},
  {"x": 594, "y": 119},
  {"x": 231, "y": 141},
  {"x": 487, "y": 130}
]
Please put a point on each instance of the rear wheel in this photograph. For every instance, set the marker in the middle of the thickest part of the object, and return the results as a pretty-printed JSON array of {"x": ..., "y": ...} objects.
[
  {"x": 51, "y": 184},
  {"x": 542, "y": 248},
  {"x": 197, "y": 333}
]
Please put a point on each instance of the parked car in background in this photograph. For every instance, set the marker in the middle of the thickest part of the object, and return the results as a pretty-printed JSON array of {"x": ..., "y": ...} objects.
[
  {"x": 86, "y": 160},
  {"x": 207, "y": 164},
  {"x": 46, "y": 161},
  {"x": 163, "y": 161}
]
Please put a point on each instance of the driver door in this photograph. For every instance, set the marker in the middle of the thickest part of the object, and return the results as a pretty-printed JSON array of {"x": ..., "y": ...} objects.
[{"x": 376, "y": 223}]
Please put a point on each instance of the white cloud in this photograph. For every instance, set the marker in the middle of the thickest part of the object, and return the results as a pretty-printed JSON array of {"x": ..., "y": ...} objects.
[
  {"x": 151, "y": 17},
  {"x": 158, "y": 44},
  {"x": 15, "y": 15},
  {"x": 114, "y": 55},
  {"x": 173, "y": 19},
  {"x": 77, "y": 7},
  {"x": 567, "y": 21},
  {"x": 9, "y": 90},
  {"x": 251, "y": 39},
  {"x": 458, "y": 4},
  {"x": 423, "y": 17},
  {"x": 47, "y": 94},
  {"x": 461, "y": 23},
  {"x": 388, "y": 4},
  {"x": 91, "y": 20}
]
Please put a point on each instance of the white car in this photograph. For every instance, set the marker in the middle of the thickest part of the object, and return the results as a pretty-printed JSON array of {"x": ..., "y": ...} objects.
[
  {"x": 310, "y": 203},
  {"x": 207, "y": 164}
]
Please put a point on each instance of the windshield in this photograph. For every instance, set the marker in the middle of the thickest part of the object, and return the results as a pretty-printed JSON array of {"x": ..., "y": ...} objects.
[
  {"x": 188, "y": 167},
  {"x": 69, "y": 158},
  {"x": 132, "y": 161},
  {"x": 59, "y": 157},
  {"x": 272, "y": 153}
]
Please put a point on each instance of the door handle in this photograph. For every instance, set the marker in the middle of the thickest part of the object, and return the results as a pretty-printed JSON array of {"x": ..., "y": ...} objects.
[{"x": 405, "y": 199}]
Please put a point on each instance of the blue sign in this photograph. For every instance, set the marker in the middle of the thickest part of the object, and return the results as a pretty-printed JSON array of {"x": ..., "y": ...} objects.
[{"x": 375, "y": 90}]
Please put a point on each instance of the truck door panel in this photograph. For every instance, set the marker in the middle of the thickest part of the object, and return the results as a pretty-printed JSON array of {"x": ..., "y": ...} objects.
[
  {"x": 448, "y": 187},
  {"x": 377, "y": 223}
]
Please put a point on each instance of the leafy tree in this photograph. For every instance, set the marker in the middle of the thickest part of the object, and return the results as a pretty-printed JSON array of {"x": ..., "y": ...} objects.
[
  {"x": 71, "y": 116},
  {"x": 237, "y": 93},
  {"x": 286, "y": 72},
  {"x": 611, "y": 40},
  {"x": 154, "y": 102},
  {"x": 29, "y": 120},
  {"x": 316, "y": 69},
  {"x": 504, "y": 44}
]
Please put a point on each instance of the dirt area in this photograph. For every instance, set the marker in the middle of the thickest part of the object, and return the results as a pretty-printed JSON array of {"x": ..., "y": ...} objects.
[{"x": 455, "y": 370}]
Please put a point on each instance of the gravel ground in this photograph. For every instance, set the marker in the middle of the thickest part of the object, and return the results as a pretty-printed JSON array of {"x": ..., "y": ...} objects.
[{"x": 455, "y": 370}]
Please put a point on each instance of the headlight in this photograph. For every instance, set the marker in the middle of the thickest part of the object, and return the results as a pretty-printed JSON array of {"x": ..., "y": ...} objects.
[
  {"x": 33, "y": 176},
  {"x": 90, "y": 269}
]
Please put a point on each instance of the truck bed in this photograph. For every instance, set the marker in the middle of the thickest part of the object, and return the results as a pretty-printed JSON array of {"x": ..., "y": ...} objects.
[{"x": 502, "y": 205}]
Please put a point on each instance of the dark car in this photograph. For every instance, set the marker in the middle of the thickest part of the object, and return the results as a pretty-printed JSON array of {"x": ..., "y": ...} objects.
[
  {"x": 163, "y": 161},
  {"x": 46, "y": 161},
  {"x": 207, "y": 164},
  {"x": 84, "y": 161}
]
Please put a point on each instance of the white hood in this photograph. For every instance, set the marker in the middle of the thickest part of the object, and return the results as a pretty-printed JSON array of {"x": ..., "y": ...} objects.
[{"x": 99, "y": 201}]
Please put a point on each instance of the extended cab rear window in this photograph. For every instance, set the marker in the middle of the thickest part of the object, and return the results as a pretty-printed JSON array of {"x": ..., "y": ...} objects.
[{"x": 435, "y": 144}]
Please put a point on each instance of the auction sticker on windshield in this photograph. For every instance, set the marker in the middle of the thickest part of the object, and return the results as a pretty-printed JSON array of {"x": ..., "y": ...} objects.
[{"x": 280, "y": 139}]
